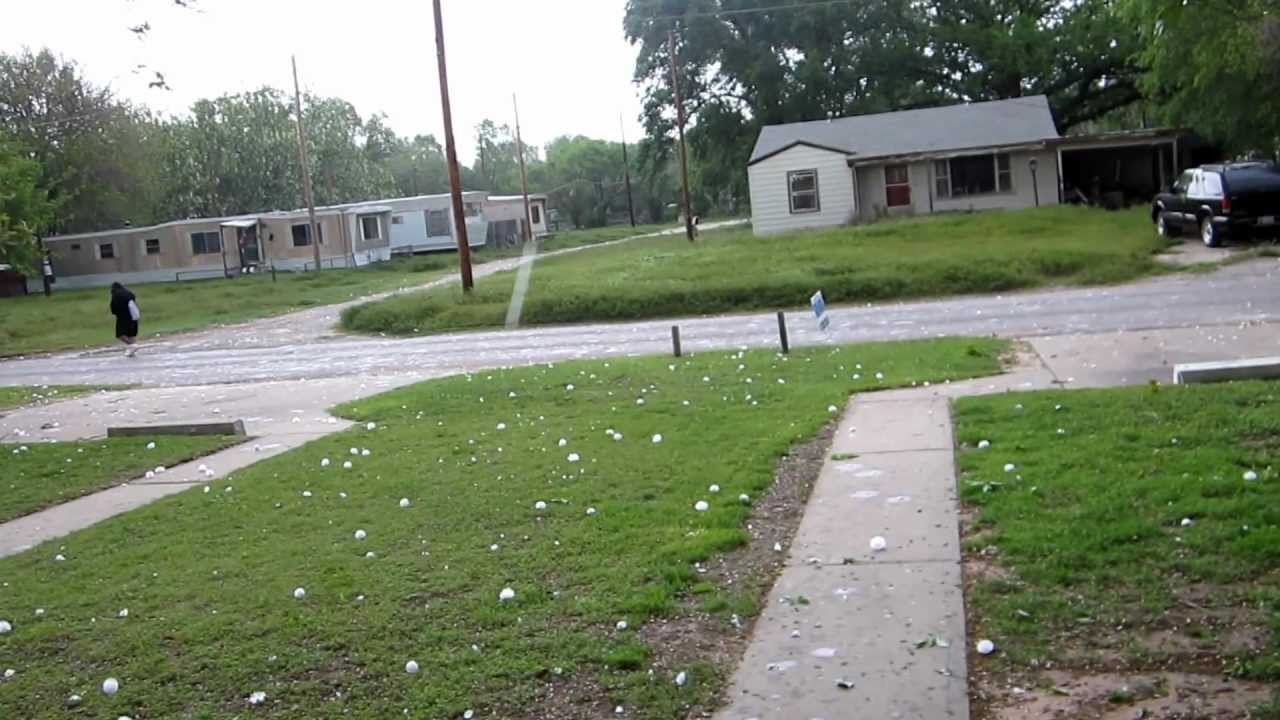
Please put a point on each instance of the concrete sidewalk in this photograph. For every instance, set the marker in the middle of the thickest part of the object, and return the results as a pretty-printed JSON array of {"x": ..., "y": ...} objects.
[{"x": 877, "y": 634}]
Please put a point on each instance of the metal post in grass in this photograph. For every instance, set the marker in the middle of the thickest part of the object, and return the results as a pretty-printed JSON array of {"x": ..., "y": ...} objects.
[
  {"x": 273, "y": 272},
  {"x": 782, "y": 333},
  {"x": 675, "y": 340}
]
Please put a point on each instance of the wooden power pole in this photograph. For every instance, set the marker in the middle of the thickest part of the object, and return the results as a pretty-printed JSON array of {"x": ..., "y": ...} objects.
[
  {"x": 684, "y": 156},
  {"x": 451, "y": 154},
  {"x": 626, "y": 172},
  {"x": 524, "y": 176},
  {"x": 312, "y": 228}
]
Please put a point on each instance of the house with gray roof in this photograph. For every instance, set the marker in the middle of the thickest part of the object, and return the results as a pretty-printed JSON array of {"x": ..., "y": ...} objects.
[{"x": 991, "y": 155}]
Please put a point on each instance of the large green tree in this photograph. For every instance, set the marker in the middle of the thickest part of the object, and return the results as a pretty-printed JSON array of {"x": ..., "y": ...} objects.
[
  {"x": 25, "y": 208},
  {"x": 1214, "y": 65}
]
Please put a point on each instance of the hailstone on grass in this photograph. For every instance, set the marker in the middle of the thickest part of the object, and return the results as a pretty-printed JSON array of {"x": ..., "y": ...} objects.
[
  {"x": 506, "y": 595},
  {"x": 365, "y": 452},
  {"x": 701, "y": 506},
  {"x": 306, "y": 493},
  {"x": 371, "y": 426},
  {"x": 879, "y": 376},
  {"x": 878, "y": 544},
  {"x": 360, "y": 535},
  {"x": 713, "y": 489},
  {"x": 657, "y": 438},
  {"x": 124, "y": 613},
  {"x": 681, "y": 678},
  {"x": 111, "y": 686},
  {"x": 5, "y": 627},
  {"x": 355, "y": 451},
  {"x": 151, "y": 446},
  {"x": 540, "y": 505},
  {"x": 984, "y": 444},
  {"x": 411, "y": 667},
  {"x": 986, "y": 647},
  {"x": 347, "y": 465},
  {"x": 1010, "y": 467},
  {"x": 832, "y": 409},
  {"x": 150, "y": 474},
  {"x": 404, "y": 502},
  {"x": 777, "y": 547},
  {"x": 591, "y": 511},
  {"x": 59, "y": 557},
  {"x": 324, "y": 463},
  {"x": 744, "y": 498},
  {"x": 1250, "y": 475},
  {"x": 622, "y": 625},
  {"x": 502, "y": 426},
  {"x": 574, "y": 457},
  {"x": 299, "y": 593},
  {"x": 1187, "y": 522},
  {"x": 257, "y": 698}
]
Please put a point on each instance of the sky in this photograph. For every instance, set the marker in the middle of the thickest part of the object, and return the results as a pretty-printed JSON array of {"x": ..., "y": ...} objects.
[{"x": 567, "y": 60}]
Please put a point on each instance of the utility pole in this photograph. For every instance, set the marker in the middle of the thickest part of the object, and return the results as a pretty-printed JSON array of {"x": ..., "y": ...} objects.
[
  {"x": 626, "y": 172},
  {"x": 312, "y": 228},
  {"x": 451, "y": 154},
  {"x": 524, "y": 177},
  {"x": 684, "y": 156}
]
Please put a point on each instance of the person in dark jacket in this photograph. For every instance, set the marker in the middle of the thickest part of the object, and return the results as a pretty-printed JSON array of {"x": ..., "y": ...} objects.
[{"x": 124, "y": 305}]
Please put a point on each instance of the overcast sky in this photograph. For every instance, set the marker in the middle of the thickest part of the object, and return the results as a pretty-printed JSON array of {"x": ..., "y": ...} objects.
[{"x": 567, "y": 59}]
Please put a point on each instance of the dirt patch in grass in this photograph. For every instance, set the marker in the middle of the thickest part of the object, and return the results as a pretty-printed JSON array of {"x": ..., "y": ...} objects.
[
  {"x": 1116, "y": 696},
  {"x": 713, "y": 625}
]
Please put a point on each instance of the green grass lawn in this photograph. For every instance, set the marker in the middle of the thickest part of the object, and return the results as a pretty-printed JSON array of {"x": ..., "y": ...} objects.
[
  {"x": 1131, "y": 537},
  {"x": 209, "y": 578},
  {"x": 730, "y": 270},
  {"x": 21, "y": 395},
  {"x": 582, "y": 238},
  {"x": 39, "y": 475}
]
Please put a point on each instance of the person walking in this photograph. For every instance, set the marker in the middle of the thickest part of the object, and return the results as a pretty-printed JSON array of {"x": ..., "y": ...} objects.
[{"x": 124, "y": 305}]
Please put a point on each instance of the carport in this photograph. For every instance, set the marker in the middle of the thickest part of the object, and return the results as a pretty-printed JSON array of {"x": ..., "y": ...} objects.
[{"x": 1118, "y": 169}]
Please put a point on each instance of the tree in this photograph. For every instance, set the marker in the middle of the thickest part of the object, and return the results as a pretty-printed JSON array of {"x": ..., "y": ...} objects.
[
  {"x": 1214, "y": 65},
  {"x": 587, "y": 176},
  {"x": 25, "y": 209},
  {"x": 498, "y": 160}
]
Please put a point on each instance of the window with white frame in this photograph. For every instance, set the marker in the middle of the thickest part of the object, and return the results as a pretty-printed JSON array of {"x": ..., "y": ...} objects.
[
  {"x": 897, "y": 185},
  {"x": 535, "y": 212},
  {"x": 438, "y": 223},
  {"x": 972, "y": 175},
  {"x": 206, "y": 243},
  {"x": 370, "y": 228},
  {"x": 106, "y": 251},
  {"x": 302, "y": 234},
  {"x": 802, "y": 186}
]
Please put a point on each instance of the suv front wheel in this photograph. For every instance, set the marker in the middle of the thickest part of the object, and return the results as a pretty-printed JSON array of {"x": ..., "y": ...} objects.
[
  {"x": 1164, "y": 228},
  {"x": 1209, "y": 233}
]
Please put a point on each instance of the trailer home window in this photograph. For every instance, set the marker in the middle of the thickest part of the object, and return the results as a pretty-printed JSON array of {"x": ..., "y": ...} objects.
[
  {"x": 153, "y": 246},
  {"x": 302, "y": 234},
  {"x": 438, "y": 223},
  {"x": 370, "y": 227},
  {"x": 206, "y": 243},
  {"x": 106, "y": 251}
]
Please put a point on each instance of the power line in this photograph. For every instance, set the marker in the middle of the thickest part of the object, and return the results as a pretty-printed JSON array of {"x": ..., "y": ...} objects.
[{"x": 751, "y": 11}]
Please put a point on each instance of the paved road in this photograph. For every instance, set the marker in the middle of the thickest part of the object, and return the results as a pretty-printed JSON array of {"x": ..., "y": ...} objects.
[{"x": 1244, "y": 293}]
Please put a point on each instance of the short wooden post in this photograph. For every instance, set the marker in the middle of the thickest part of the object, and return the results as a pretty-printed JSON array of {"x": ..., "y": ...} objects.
[
  {"x": 273, "y": 272},
  {"x": 782, "y": 333},
  {"x": 675, "y": 340}
]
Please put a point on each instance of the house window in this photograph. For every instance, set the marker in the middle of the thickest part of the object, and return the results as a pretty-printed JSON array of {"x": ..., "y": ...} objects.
[
  {"x": 471, "y": 210},
  {"x": 153, "y": 246},
  {"x": 897, "y": 185},
  {"x": 206, "y": 243},
  {"x": 973, "y": 175},
  {"x": 75, "y": 246},
  {"x": 302, "y": 234},
  {"x": 437, "y": 223},
  {"x": 802, "y": 186},
  {"x": 106, "y": 251},
  {"x": 397, "y": 219},
  {"x": 535, "y": 212},
  {"x": 370, "y": 227}
]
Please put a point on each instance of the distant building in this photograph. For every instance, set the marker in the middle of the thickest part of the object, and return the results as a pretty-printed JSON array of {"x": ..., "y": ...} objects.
[{"x": 505, "y": 214}]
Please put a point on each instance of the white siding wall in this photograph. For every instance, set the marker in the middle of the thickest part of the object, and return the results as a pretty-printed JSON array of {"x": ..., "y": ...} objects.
[
  {"x": 770, "y": 196},
  {"x": 873, "y": 204}
]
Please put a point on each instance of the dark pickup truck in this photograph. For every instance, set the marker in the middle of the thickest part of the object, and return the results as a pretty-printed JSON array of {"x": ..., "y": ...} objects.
[{"x": 1236, "y": 200}]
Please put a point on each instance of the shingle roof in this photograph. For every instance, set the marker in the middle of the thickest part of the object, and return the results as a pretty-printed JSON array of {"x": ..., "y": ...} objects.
[{"x": 939, "y": 129}]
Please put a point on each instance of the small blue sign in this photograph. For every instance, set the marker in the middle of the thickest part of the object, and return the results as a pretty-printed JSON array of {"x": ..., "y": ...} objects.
[{"x": 820, "y": 310}]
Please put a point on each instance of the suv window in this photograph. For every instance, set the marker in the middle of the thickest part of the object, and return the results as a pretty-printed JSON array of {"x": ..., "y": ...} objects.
[
  {"x": 1183, "y": 183},
  {"x": 1210, "y": 185}
]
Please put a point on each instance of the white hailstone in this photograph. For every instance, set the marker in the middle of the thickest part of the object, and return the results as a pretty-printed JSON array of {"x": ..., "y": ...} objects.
[
  {"x": 574, "y": 457},
  {"x": 617, "y": 437},
  {"x": 706, "y": 379},
  {"x": 347, "y": 465},
  {"x": 257, "y": 698},
  {"x": 1062, "y": 431},
  {"x": 591, "y": 511},
  {"x": 622, "y": 625},
  {"x": 124, "y": 613},
  {"x": 299, "y": 593},
  {"x": 1010, "y": 467},
  {"x": 150, "y": 474},
  {"x": 657, "y": 438},
  {"x": 1018, "y": 406},
  {"x": 411, "y": 667},
  {"x": 39, "y": 612},
  {"x": 371, "y": 426},
  {"x": 879, "y": 376},
  {"x": 639, "y": 401},
  {"x": 306, "y": 493},
  {"x": 713, "y": 489},
  {"x": 365, "y": 452},
  {"x": 342, "y": 495},
  {"x": 701, "y": 506},
  {"x": 59, "y": 557},
  {"x": 1250, "y": 475},
  {"x": 744, "y": 498},
  {"x": 1057, "y": 407},
  {"x": 74, "y": 701},
  {"x": 681, "y": 679},
  {"x": 506, "y": 595},
  {"x": 468, "y": 715},
  {"x": 206, "y": 488},
  {"x": 563, "y": 442},
  {"x": 777, "y": 547},
  {"x": 493, "y": 547},
  {"x": 111, "y": 686},
  {"x": 355, "y": 451},
  {"x": 984, "y": 444},
  {"x": 569, "y": 386},
  {"x": 878, "y": 544},
  {"x": 324, "y": 462},
  {"x": 360, "y": 535},
  {"x": 511, "y": 394},
  {"x": 502, "y": 426},
  {"x": 618, "y": 710},
  {"x": 404, "y": 502},
  {"x": 540, "y": 505},
  {"x": 5, "y": 627},
  {"x": 370, "y": 555},
  {"x": 160, "y": 469},
  {"x": 986, "y": 647},
  {"x": 151, "y": 446},
  {"x": 832, "y": 408},
  {"x": 10, "y": 673}
]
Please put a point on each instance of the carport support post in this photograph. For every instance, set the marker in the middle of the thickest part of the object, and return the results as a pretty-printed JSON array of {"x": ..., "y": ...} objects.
[
  {"x": 782, "y": 333},
  {"x": 675, "y": 340}
]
